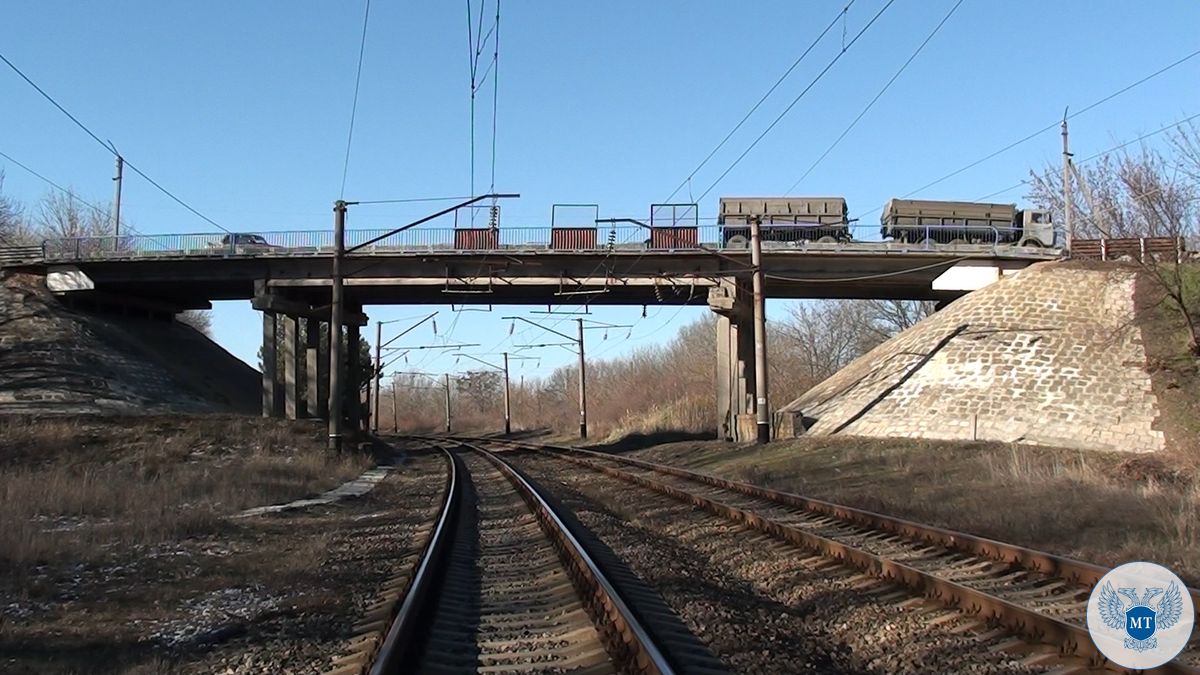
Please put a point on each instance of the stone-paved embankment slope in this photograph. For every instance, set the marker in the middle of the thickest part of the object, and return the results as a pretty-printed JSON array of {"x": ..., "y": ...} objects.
[
  {"x": 1049, "y": 356},
  {"x": 54, "y": 359}
]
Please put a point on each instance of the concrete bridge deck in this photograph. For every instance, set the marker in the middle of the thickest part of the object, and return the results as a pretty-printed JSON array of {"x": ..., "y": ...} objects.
[
  {"x": 287, "y": 277},
  {"x": 516, "y": 266}
]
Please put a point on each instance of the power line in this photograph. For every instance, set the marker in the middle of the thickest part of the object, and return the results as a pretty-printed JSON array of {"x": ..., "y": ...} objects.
[
  {"x": 1101, "y": 153},
  {"x": 797, "y": 99},
  {"x": 108, "y": 146},
  {"x": 495, "y": 96},
  {"x": 701, "y": 165},
  {"x": 66, "y": 191},
  {"x": 845, "y": 47},
  {"x": 1054, "y": 124},
  {"x": 414, "y": 200},
  {"x": 362, "y": 46},
  {"x": 882, "y": 91}
]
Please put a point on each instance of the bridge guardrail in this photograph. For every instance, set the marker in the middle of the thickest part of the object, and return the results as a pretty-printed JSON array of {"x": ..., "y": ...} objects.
[{"x": 860, "y": 238}]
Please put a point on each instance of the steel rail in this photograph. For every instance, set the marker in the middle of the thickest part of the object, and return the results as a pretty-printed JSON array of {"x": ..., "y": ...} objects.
[
  {"x": 407, "y": 623},
  {"x": 1071, "y": 639},
  {"x": 622, "y": 630}
]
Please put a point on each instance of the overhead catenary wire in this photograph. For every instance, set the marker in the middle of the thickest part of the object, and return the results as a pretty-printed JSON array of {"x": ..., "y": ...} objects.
[
  {"x": 1096, "y": 155},
  {"x": 839, "y": 16},
  {"x": 845, "y": 47},
  {"x": 873, "y": 101},
  {"x": 71, "y": 193},
  {"x": 796, "y": 100},
  {"x": 362, "y": 47},
  {"x": 109, "y": 148},
  {"x": 1053, "y": 125}
]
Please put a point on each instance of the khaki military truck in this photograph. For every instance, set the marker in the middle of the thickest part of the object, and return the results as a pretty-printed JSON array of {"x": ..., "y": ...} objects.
[
  {"x": 944, "y": 222},
  {"x": 784, "y": 219}
]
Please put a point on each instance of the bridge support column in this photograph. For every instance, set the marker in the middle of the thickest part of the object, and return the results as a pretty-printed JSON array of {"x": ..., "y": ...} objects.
[
  {"x": 291, "y": 366},
  {"x": 353, "y": 378},
  {"x": 312, "y": 357},
  {"x": 735, "y": 359},
  {"x": 270, "y": 398}
]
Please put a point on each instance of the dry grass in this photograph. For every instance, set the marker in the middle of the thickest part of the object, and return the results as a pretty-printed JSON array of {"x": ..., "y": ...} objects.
[
  {"x": 78, "y": 488},
  {"x": 1102, "y": 507}
]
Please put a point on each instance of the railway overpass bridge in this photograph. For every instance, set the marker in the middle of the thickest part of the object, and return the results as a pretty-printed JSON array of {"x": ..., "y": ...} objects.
[{"x": 287, "y": 276}]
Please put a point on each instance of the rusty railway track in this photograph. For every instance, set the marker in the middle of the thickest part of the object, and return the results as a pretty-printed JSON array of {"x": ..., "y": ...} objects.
[
  {"x": 1038, "y": 596},
  {"x": 502, "y": 585}
]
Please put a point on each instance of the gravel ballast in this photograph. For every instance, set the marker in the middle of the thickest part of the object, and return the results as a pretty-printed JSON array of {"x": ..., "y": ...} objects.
[{"x": 760, "y": 604}]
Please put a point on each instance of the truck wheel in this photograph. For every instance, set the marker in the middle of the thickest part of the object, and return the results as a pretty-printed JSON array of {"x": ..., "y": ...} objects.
[
  {"x": 737, "y": 241},
  {"x": 1030, "y": 242},
  {"x": 827, "y": 240}
]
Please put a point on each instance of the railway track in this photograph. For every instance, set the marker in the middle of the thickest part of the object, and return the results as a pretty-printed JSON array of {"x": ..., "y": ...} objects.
[
  {"x": 503, "y": 585},
  {"x": 1037, "y": 596}
]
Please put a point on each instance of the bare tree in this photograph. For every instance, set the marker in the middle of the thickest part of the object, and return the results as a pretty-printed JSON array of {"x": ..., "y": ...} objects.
[
  {"x": 64, "y": 216},
  {"x": 828, "y": 334},
  {"x": 1142, "y": 194},
  {"x": 886, "y": 318},
  {"x": 13, "y": 230},
  {"x": 481, "y": 389},
  {"x": 199, "y": 319}
]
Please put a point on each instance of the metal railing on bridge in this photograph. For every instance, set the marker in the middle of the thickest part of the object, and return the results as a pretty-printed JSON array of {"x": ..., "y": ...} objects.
[{"x": 855, "y": 238}]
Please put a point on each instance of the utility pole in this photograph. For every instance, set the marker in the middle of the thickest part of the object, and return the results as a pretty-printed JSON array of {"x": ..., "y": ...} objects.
[
  {"x": 582, "y": 384},
  {"x": 117, "y": 200},
  {"x": 380, "y": 345},
  {"x": 447, "y": 376},
  {"x": 507, "y": 404},
  {"x": 578, "y": 342},
  {"x": 395, "y": 413},
  {"x": 507, "y": 400},
  {"x": 761, "y": 409},
  {"x": 1066, "y": 181},
  {"x": 378, "y": 377},
  {"x": 335, "y": 327}
]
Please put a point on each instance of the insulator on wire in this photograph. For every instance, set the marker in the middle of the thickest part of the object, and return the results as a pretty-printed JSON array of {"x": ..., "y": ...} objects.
[
  {"x": 512, "y": 325},
  {"x": 605, "y": 336},
  {"x": 643, "y": 311},
  {"x": 435, "y": 326},
  {"x": 494, "y": 217}
]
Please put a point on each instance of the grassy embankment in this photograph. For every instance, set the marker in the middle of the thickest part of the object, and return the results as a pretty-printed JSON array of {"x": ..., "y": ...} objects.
[
  {"x": 80, "y": 489},
  {"x": 1106, "y": 508}
]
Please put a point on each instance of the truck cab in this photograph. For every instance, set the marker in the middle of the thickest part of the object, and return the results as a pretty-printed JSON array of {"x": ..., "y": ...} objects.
[{"x": 1037, "y": 228}]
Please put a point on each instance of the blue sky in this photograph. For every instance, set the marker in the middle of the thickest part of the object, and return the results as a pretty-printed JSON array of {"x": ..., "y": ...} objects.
[{"x": 242, "y": 109}]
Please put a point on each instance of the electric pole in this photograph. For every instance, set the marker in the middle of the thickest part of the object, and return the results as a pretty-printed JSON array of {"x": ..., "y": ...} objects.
[
  {"x": 335, "y": 327},
  {"x": 117, "y": 200},
  {"x": 380, "y": 345},
  {"x": 582, "y": 385},
  {"x": 761, "y": 409},
  {"x": 395, "y": 414},
  {"x": 447, "y": 376},
  {"x": 578, "y": 342},
  {"x": 507, "y": 401},
  {"x": 1066, "y": 181},
  {"x": 378, "y": 377}
]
